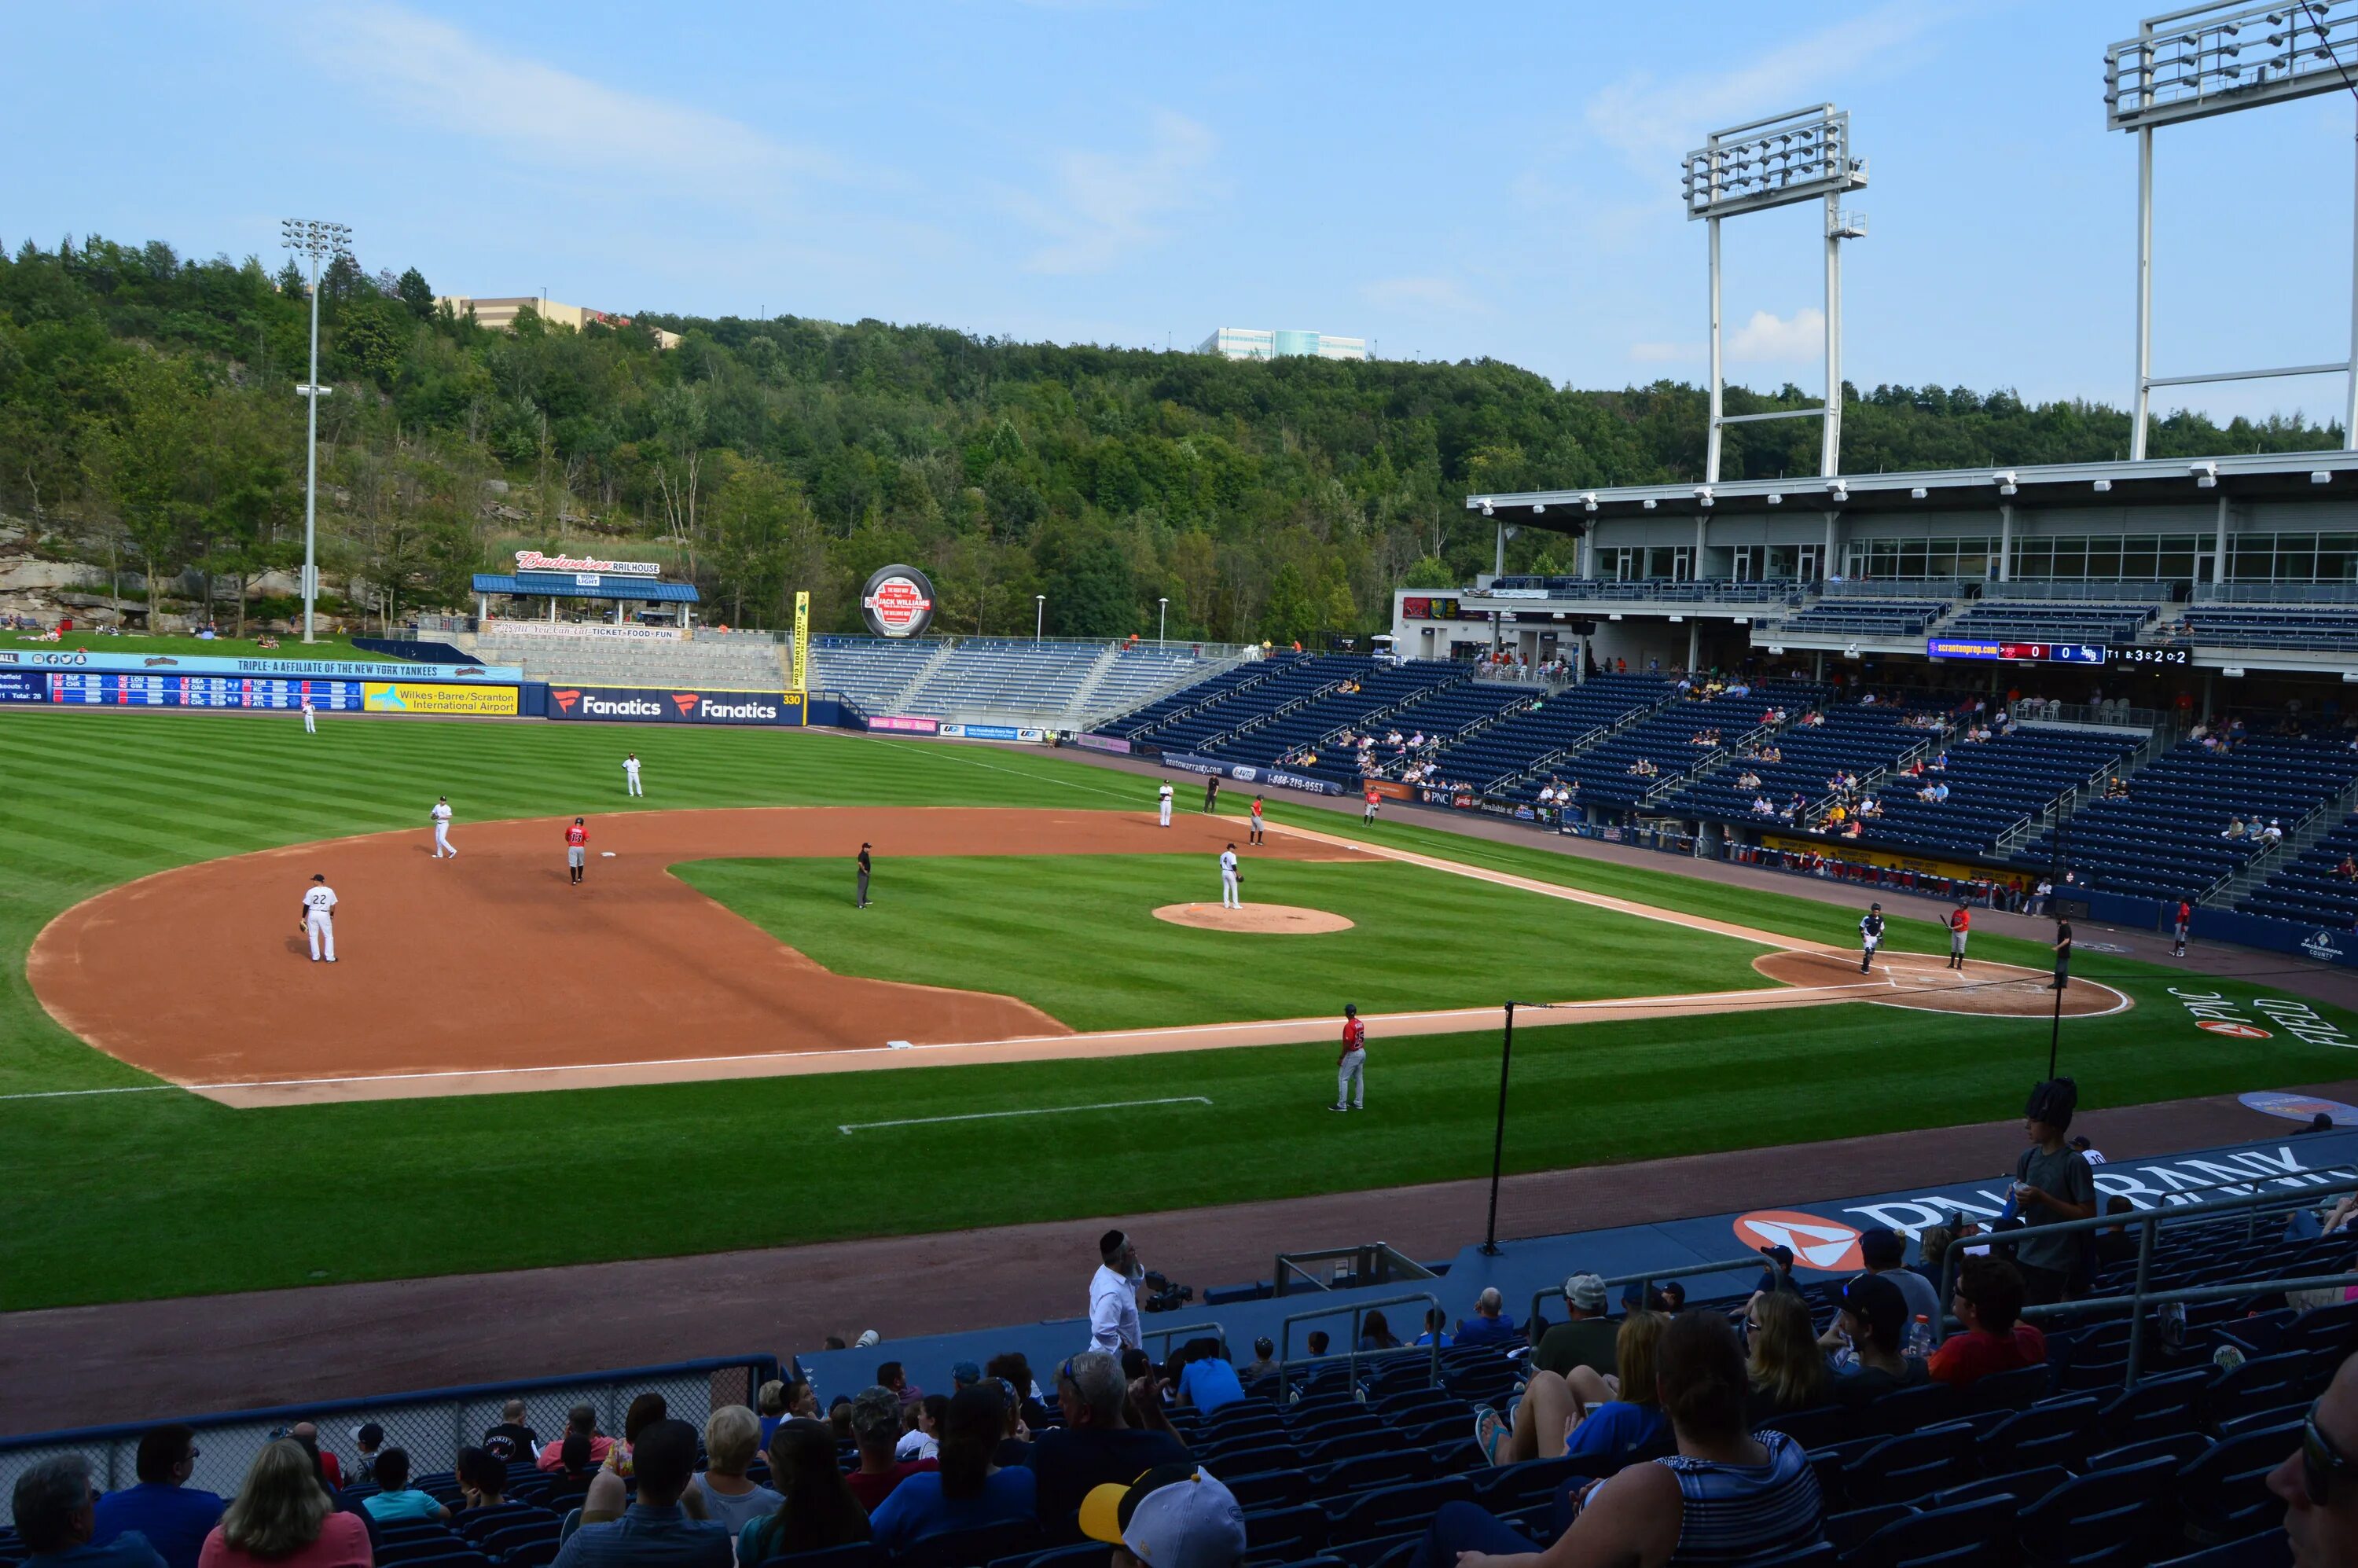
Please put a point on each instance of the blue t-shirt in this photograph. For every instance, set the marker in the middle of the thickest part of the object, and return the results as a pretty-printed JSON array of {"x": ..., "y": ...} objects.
[
  {"x": 129, "y": 1550},
  {"x": 1210, "y": 1384},
  {"x": 917, "y": 1509},
  {"x": 392, "y": 1508},
  {"x": 175, "y": 1519},
  {"x": 1481, "y": 1330},
  {"x": 1615, "y": 1430}
]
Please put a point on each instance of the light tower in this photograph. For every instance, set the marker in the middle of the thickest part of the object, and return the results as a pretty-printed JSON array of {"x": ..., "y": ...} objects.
[
  {"x": 2211, "y": 60},
  {"x": 318, "y": 240},
  {"x": 1804, "y": 155}
]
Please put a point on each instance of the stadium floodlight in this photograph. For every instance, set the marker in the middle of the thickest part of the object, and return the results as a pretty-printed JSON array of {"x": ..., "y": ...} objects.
[
  {"x": 1918, "y": 492},
  {"x": 1161, "y": 619},
  {"x": 1702, "y": 495},
  {"x": 1838, "y": 491},
  {"x": 2206, "y": 474},
  {"x": 1588, "y": 502},
  {"x": 2007, "y": 482},
  {"x": 1039, "y": 615},
  {"x": 2104, "y": 487},
  {"x": 319, "y": 241},
  {"x": 2214, "y": 58},
  {"x": 1804, "y": 155},
  {"x": 1776, "y": 498}
]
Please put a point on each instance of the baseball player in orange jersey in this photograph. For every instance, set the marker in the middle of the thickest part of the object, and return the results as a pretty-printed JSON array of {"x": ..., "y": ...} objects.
[
  {"x": 577, "y": 850},
  {"x": 1372, "y": 798},
  {"x": 1254, "y": 838},
  {"x": 1961, "y": 920},
  {"x": 1351, "y": 1067}
]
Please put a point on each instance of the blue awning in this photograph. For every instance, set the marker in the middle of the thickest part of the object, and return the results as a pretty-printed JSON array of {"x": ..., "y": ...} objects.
[{"x": 560, "y": 585}]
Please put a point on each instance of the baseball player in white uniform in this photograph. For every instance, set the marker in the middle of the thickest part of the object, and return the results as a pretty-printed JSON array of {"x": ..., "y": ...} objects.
[
  {"x": 319, "y": 917},
  {"x": 311, "y": 717},
  {"x": 441, "y": 815},
  {"x": 1163, "y": 804},
  {"x": 631, "y": 774},
  {"x": 1870, "y": 936},
  {"x": 1230, "y": 897}
]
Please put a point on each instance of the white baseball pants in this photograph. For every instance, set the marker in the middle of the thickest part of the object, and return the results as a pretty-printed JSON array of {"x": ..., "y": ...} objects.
[
  {"x": 634, "y": 779},
  {"x": 322, "y": 928},
  {"x": 1166, "y": 811},
  {"x": 1351, "y": 1080},
  {"x": 1229, "y": 897},
  {"x": 443, "y": 842}
]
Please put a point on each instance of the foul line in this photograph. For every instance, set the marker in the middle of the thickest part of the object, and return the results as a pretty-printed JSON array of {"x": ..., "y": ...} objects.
[
  {"x": 1037, "y": 1111},
  {"x": 71, "y": 1094}
]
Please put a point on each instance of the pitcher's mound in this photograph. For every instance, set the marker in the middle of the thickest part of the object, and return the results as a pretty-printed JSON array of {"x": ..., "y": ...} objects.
[
  {"x": 1264, "y": 918},
  {"x": 1924, "y": 983}
]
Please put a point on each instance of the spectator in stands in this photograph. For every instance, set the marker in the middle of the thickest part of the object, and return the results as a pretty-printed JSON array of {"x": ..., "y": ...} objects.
[
  {"x": 2117, "y": 1244},
  {"x": 1489, "y": 1324},
  {"x": 396, "y": 1498},
  {"x": 1988, "y": 1300},
  {"x": 820, "y": 1510},
  {"x": 656, "y": 1532},
  {"x": 1584, "y": 1415},
  {"x": 368, "y": 1441},
  {"x": 482, "y": 1479},
  {"x": 1437, "y": 1329},
  {"x": 1376, "y": 1333},
  {"x": 1113, "y": 1293},
  {"x": 174, "y": 1516},
  {"x": 1872, "y": 1321},
  {"x": 55, "y": 1516},
  {"x": 512, "y": 1440},
  {"x": 1884, "y": 1251},
  {"x": 582, "y": 1421},
  {"x": 2052, "y": 1184},
  {"x": 575, "y": 1470},
  {"x": 282, "y": 1517},
  {"x": 1317, "y": 1342},
  {"x": 1096, "y": 1444},
  {"x": 1779, "y": 1274},
  {"x": 1788, "y": 1369},
  {"x": 1587, "y": 1339},
  {"x": 969, "y": 1490},
  {"x": 2347, "y": 871},
  {"x": 876, "y": 1428},
  {"x": 1012, "y": 1368},
  {"x": 889, "y": 1375},
  {"x": 306, "y": 1436},
  {"x": 644, "y": 1410},
  {"x": 2319, "y": 1480},
  {"x": 1205, "y": 1379},
  {"x": 921, "y": 1428},
  {"x": 2234, "y": 828},
  {"x": 1264, "y": 1361},
  {"x": 732, "y": 1437},
  {"x": 1727, "y": 1497}
]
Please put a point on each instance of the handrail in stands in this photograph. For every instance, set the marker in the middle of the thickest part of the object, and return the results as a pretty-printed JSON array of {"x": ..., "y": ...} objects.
[
  {"x": 1353, "y": 1357},
  {"x": 1168, "y": 1335}
]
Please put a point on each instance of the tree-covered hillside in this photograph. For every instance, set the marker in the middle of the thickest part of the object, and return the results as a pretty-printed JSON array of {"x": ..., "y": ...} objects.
[{"x": 147, "y": 416}]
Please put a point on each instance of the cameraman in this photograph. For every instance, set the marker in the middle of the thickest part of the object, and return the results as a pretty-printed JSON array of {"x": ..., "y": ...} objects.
[{"x": 1113, "y": 1295}]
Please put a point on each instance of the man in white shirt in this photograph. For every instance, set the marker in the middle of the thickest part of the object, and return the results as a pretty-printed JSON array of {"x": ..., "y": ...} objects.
[
  {"x": 631, "y": 774},
  {"x": 1163, "y": 802},
  {"x": 1231, "y": 896},
  {"x": 1113, "y": 1295},
  {"x": 320, "y": 918},
  {"x": 441, "y": 815}
]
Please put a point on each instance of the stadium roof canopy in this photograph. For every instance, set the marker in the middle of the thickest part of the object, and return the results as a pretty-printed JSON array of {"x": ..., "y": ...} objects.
[
  {"x": 2246, "y": 477},
  {"x": 564, "y": 585}
]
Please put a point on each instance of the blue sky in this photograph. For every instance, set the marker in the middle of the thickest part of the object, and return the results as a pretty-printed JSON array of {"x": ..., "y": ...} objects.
[{"x": 1448, "y": 181}]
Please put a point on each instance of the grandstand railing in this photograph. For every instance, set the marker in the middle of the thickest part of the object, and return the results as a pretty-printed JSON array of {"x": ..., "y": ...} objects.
[
  {"x": 2070, "y": 591},
  {"x": 2232, "y": 593},
  {"x": 1928, "y": 587},
  {"x": 1211, "y": 1327},
  {"x": 431, "y": 1425},
  {"x": 1287, "y": 1361},
  {"x": 1373, "y": 1262}
]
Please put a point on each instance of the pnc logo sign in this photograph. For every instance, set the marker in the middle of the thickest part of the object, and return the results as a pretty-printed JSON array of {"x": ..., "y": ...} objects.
[
  {"x": 565, "y": 699},
  {"x": 1823, "y": 1244},
  {"x": 2232, "y": 1029}
]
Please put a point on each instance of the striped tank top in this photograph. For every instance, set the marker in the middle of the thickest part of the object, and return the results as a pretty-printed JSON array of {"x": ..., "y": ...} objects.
[{"x": 1745, "y": 1513}]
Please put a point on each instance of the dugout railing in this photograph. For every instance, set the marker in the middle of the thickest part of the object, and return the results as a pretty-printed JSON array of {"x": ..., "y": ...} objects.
[{"x": 431, "y": 1425}]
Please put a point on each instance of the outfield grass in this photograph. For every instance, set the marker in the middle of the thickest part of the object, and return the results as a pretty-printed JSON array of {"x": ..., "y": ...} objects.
[
  {"x": 120, "y": 1197},
  {"x": 1076, "y": 938}
]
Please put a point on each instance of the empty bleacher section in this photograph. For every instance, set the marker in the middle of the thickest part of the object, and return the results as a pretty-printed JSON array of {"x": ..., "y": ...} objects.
[
  {"x": 1851, "y": 738},
  {"x": 1136, "y": 675},
  {"x": 1489, "y": 760},
  {"x": 1286, "y": 680},
  {"x": 2166, "y": 839},
  {"x": 2312, "y": 891},
  {"x": 2333, "y": 630},
  {"x": 991, "y": 675},
  {"x": 871, "y": 671},
  {"x": 1054, "y": 685},
  {"x": 2044, "y": 622},
  {"x": 1995, "y": 786},
  {"x": 1139, "y": 722},
  {"x": 730, "y": 660},
  {"x": 1863, "y": 618}
]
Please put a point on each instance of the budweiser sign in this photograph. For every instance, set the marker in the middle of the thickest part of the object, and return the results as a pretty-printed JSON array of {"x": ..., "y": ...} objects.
[{"x": 533, "y": 561}]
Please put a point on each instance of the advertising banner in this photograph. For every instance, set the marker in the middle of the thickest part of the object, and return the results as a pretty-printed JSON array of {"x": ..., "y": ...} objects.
[
  {"x": 24, "y": 685},
  {"x": 992, "y": 732},
  {"x": 1245, "y": 773},
  {"x": 901, "y": 722},
  {"x": 674, "y": 705},
  {"x": 585, "y": 565},
  {"x": 386, "y": 697},
  {"x": 194, "y": 664},
  {"x": 897, "y": 602},
  {"x": 1112, "y": 743},
  {"x": 1861, "y": 854},
  {"x": 802, "y": 640},
  {"x": 112, "y": 690},
  {"x": 604, "y": 630}
]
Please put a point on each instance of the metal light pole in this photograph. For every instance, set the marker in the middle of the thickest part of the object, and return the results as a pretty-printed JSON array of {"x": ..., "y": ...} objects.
[
  {"x": 1039, "y": 614},
  {"x": 1498, "y": 1141},
  {"x": 1162, "y": 620},
  {"x": 318, "y": 240}
]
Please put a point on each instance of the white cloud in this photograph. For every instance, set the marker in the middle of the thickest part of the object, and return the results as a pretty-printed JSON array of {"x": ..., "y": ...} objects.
[
  {"x": 1433, "y": 293},
  {"x": 449, "y": 80},
  {"x": 1651, "y": 120},
  {"x": 1106, "y": 206},
  {"x": 1771, "y": 337}
]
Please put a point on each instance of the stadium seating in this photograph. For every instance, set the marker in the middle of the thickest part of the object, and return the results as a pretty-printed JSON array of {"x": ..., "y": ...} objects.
[
  {"x": 2163, "y": 841},
  {"x": 721, "y": 660},
  {"x": 1138, "y": 723},
  {"x": 1135, "y": 675},
  {"x": 1854, "y": 739},
  {"x": 1057, "y": 685},
  {"x": 1447, "y": 711},
  {"x": 871, "y": 671},
  {"x": 1864, "y": 617},
  {"x": 1254, "y": 701},
  {"x": 1379, "y": 689},
  {"x": 1780, "y": 590},
  {"x": 1995, "y": 787},
  {"x": 999, "y": 676},
  {"x": 2308, "y": 890},
  {"x": 1492, "y": 760},
  {"x": 2041, "y": 621},
  {"x": 2248, "y": 626},
  {"x": 1665, "y": 740}
]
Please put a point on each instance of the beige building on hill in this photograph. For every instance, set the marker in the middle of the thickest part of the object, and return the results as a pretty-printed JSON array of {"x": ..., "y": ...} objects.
[{"x": 500, "y": 313}]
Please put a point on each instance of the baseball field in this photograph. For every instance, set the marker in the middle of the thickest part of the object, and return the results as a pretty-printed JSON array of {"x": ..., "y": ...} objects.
[{"x": 708, "y": 1046}]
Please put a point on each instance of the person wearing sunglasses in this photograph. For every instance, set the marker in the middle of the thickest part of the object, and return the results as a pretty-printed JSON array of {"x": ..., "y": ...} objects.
[
  {"x": 2319, "y": 1480},
  {"x": 174, "y": 1516}
]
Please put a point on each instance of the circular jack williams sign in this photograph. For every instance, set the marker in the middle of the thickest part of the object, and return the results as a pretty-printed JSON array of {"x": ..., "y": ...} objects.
[
  {"x": 1823, "y": 1244},
  {"x": 897, "y": 602}
]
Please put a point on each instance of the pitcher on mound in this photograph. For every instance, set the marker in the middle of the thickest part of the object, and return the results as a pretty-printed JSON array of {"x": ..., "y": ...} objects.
[{"x": 1231, "y": 896}]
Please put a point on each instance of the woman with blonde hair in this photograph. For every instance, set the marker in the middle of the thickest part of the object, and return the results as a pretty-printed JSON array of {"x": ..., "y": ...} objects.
[
  {"x": 1581, "y": 1413},
  {"x": 1788, "y": 1369},
  {"x": 731, "y": 1440},
  {"x": 284, "y": 1518}
]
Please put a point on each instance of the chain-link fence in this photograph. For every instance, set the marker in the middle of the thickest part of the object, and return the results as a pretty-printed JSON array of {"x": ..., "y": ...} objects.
[{"x": 431, "y": 1426}]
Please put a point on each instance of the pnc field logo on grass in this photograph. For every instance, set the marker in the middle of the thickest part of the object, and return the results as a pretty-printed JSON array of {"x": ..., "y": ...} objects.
[
  {"x": 1823, "y": 1244},
  {"x": 565, "y": 699},
  {"x": 2232, "y": 1029}
]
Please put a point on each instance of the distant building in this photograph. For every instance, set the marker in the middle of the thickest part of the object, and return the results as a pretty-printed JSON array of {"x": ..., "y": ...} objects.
[
  {"x": 501, "y": 314},
  {"x": 1257, "y": 343}
]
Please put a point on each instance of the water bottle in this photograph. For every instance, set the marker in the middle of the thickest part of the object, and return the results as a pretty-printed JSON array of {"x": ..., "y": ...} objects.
[{"x": 1918, "y": 1346}]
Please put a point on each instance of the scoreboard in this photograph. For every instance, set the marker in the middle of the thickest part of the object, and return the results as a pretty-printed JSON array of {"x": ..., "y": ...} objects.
[
  {"x": 2057, "y": 653},
  {"x": 111, "y": 690}
]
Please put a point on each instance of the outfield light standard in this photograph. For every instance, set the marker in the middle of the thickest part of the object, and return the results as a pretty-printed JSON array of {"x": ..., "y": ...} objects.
[
  {"x": 1161, "y": 619},
  {"x": 1039, "y": 614},
  {"x": 319, "y": 240}
]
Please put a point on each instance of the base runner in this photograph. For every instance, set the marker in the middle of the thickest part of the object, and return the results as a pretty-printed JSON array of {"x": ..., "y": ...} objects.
[
  {"x": 320, "y": 918},
  {"x": 1870, "y": 936},
  {"x": 577, "y": 850},
  {"x": 1231, "y": 892},
  {"x": 1254, "y": 837},
  {"x": 1961, "y": 921},
  {"x": 1162, "y": 802},
  {"x": 1351, "y": 1067}
]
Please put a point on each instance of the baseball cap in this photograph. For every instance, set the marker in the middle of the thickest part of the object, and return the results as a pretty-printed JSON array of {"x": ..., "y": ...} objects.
[
  {"x": 1174, "y": 1516},
  {"x": 965, "y": 1374},
  {"x": 1881, "y": 1247},
  {"x": 1781, "y": 1256},
  {"x": 1585, "y": 1292},
  {"x": 1878, "y": 1304}
]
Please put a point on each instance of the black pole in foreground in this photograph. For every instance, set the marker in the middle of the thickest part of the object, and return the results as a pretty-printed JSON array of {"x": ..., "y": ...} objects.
[
  {"x": 1498, "y": 1143},
  {"x": 2055, "y": 1030}
]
